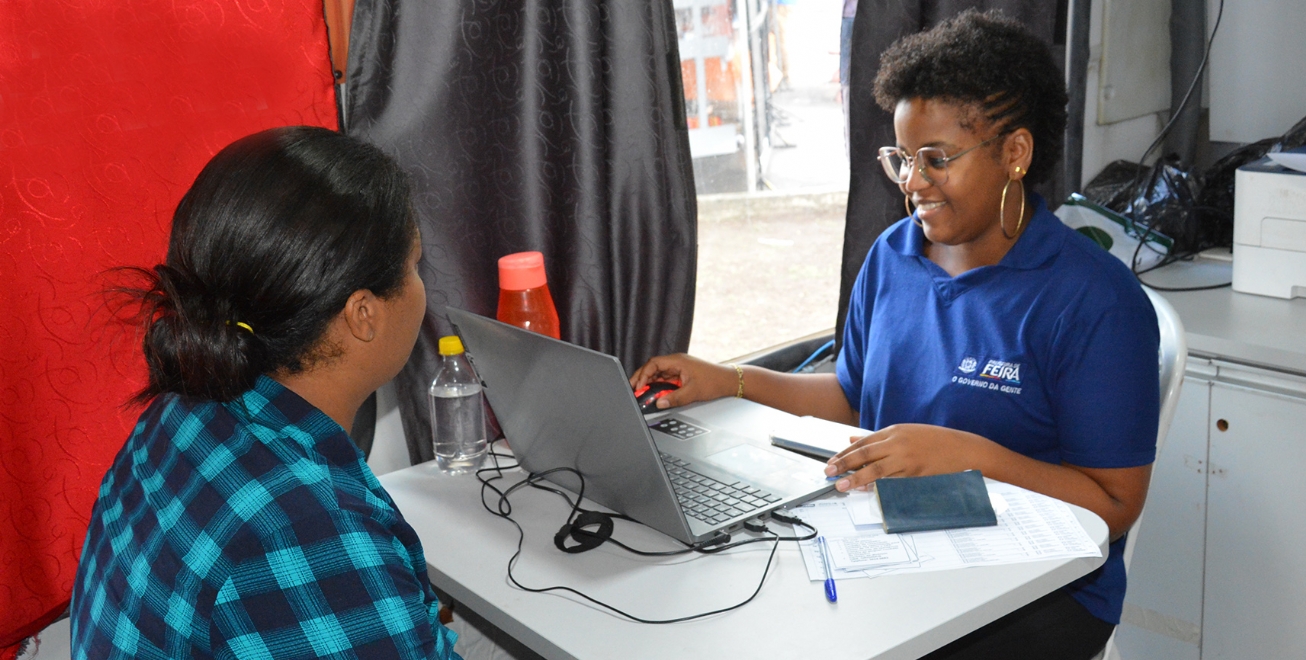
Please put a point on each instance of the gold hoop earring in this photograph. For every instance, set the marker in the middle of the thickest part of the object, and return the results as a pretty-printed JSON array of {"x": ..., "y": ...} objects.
[
  {"x": 1002, "y": 208},
  {"x": 906, "y": 203}
]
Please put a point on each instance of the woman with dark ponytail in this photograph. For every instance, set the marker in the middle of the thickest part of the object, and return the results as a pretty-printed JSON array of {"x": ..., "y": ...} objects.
[{"x": 239, "y": 520}]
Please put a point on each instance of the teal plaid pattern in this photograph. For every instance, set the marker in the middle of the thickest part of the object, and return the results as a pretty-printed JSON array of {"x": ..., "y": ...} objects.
[{"x": 250, "y": 529}]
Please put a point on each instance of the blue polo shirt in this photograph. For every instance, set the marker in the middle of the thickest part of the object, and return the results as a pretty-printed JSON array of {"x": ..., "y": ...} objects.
[{"x": 1051, "y": 353}]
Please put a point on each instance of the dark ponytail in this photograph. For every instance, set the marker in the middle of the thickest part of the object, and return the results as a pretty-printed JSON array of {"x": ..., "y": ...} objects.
[{"x": 276, "y": 233}]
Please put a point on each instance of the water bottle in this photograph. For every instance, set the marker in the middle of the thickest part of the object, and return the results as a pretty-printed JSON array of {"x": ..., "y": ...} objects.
[
  {"x": 524, "y": 299},
  {"x": 457, "y": 418}
]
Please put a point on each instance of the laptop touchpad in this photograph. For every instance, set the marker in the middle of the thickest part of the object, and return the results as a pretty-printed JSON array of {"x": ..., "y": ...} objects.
[{"x": 745, "y": 459}]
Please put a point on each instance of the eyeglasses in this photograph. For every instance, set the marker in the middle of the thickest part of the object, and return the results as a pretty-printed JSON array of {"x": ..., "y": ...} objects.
[{"x": 930, "y": 162}]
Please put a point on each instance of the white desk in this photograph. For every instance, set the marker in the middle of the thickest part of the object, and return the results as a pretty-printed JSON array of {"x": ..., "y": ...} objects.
[
  {"x": 903, "y": 616},
  {"x": 1239, "y": 327}
]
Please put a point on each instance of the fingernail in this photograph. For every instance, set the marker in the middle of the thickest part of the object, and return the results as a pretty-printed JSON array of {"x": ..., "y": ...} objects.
[
  {"x": 841, "y": 485},
  {"x": 831, "y": 470}
]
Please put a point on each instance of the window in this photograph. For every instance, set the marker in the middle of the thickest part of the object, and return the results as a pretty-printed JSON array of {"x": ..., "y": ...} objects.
[{"x": 766, "y": 131}]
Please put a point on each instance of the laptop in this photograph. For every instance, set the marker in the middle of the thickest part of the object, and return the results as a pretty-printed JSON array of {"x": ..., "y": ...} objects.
[{"x": 561, "y": 405}]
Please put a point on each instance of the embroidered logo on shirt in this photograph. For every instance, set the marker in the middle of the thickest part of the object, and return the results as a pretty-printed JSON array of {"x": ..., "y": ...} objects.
[
  {"x": 1006, "y": 372},
  {"x": 999, "y": 375}
]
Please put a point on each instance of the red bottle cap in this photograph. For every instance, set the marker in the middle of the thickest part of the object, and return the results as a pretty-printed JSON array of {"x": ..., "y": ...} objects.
[{"x": 522, "y": 271}]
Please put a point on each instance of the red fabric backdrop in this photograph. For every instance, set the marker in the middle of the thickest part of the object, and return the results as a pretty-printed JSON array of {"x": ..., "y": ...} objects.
[{"x": 108, "y": 110}]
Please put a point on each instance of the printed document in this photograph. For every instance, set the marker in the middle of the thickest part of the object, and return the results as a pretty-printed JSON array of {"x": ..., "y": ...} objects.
[{"x": 1031, "y": 527}]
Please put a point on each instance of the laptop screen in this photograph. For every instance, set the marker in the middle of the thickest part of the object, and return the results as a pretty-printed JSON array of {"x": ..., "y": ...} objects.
[{"x": 561, "y": 405}]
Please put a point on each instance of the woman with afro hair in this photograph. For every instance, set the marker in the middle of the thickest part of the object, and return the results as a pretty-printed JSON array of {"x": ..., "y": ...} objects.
[{"x": 982, "y": 332}]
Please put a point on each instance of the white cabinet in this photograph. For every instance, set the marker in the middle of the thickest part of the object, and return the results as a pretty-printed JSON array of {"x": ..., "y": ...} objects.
[
  {"x": 1163, "y": 606},
  {"x": 1255, "y": 603},
  {"x": 1220, "y": 566}
]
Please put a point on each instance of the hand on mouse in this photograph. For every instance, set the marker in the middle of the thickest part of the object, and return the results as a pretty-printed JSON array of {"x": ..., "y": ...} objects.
[{"x": 700, "y": 380}]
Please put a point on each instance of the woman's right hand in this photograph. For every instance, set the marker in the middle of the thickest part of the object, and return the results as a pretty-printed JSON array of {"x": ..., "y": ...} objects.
[{"x": 699, "y": 380}]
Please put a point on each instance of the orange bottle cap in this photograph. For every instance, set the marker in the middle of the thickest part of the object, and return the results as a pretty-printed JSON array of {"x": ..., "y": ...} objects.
[{"x": 522, "y": 271}]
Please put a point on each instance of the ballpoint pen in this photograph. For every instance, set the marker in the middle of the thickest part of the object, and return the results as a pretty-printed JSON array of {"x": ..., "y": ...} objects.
[{"x": 824, "y": 551}]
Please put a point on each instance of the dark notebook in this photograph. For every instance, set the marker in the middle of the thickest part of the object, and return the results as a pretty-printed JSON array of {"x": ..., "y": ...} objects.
[{"x": 942, "y": 501}]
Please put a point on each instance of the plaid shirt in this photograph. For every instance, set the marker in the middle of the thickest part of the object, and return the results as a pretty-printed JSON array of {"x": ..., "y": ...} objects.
[{"x": 250, "y": 529}]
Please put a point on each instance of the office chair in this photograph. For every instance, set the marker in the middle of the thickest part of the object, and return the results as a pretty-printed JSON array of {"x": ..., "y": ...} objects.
[{"x": 1172, "y": 358}]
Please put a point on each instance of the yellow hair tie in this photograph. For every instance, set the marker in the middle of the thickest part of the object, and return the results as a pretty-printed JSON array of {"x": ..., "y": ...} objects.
[{"x": 241, "y": 324}]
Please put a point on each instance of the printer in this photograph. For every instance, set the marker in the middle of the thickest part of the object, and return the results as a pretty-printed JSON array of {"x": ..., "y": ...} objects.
[{"x": 1269, "y": 230}]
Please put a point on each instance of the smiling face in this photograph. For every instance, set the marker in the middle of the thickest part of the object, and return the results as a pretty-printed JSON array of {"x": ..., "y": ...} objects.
[{"x": 962, "y": 211}]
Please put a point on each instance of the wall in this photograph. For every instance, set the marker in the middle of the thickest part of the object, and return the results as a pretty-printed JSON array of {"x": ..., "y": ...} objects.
[
  {"x": 1256, "y": 88},
  {"x": 1121, "y": 140},
  {"x": 1253, "y": 89}
]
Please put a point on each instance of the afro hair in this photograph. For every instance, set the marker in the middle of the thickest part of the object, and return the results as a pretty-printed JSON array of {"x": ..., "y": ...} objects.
[{"x": 987, "y": 62}]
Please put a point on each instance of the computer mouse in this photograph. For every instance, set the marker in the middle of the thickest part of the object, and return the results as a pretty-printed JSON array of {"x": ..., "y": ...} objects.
[{"x": 648, "y": 396}]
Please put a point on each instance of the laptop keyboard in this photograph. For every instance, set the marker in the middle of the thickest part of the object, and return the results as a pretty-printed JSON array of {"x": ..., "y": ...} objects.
[{"x": 710, "y": 500}]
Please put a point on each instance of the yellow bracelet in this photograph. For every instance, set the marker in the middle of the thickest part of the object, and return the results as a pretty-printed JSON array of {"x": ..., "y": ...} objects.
[{"x": 739, "y": 394}]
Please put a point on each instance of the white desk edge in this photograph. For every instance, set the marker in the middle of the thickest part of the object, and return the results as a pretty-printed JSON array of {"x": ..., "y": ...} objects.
[{"x": 957, "y": 601}]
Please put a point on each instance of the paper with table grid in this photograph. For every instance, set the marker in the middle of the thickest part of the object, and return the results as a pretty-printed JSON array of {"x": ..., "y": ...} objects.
[{"x": 1032, "y": 527}]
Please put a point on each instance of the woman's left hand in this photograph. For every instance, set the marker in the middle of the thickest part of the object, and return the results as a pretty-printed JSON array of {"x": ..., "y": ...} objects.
[{"x": 905, "y": 450}]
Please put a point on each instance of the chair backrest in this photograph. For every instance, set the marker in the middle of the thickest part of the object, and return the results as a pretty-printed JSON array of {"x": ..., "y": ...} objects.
[{"x": 1172, "y": 358}]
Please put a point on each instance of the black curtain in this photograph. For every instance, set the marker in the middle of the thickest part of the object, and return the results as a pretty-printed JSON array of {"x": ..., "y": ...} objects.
[
  {"x": 874, "y": 202},
  {"x": 550, "y": 125}
]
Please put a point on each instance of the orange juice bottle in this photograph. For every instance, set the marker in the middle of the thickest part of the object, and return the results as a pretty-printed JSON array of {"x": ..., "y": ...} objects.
[{"x": 524, "y": 299}]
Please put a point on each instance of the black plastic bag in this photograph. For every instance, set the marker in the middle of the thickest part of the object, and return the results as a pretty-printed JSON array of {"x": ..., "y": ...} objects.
[
  {"x": 1162, "y": 198},
  {"x": 1216, "y": 197},
  {"x": 1197, "y": 212},
  {"x": 1167, "y": 203},
  {"x": 1111, "y": 187}
]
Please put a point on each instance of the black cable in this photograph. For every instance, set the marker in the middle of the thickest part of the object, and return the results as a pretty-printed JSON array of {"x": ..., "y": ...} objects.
[
  {"x": 1207, "y": 287},
  {"x": 719, "y": 543},
  {"x": 1133, "y": 188},
  {"x": 1201, "y": 69},
  {"x": 710, "y": 546},
  {"x": 1166, "y": 260},
  {"x": 503, "y": 509}
]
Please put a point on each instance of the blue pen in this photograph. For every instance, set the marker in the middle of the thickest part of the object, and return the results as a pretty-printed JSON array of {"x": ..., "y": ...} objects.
[{"x": 824, "y": 551}]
